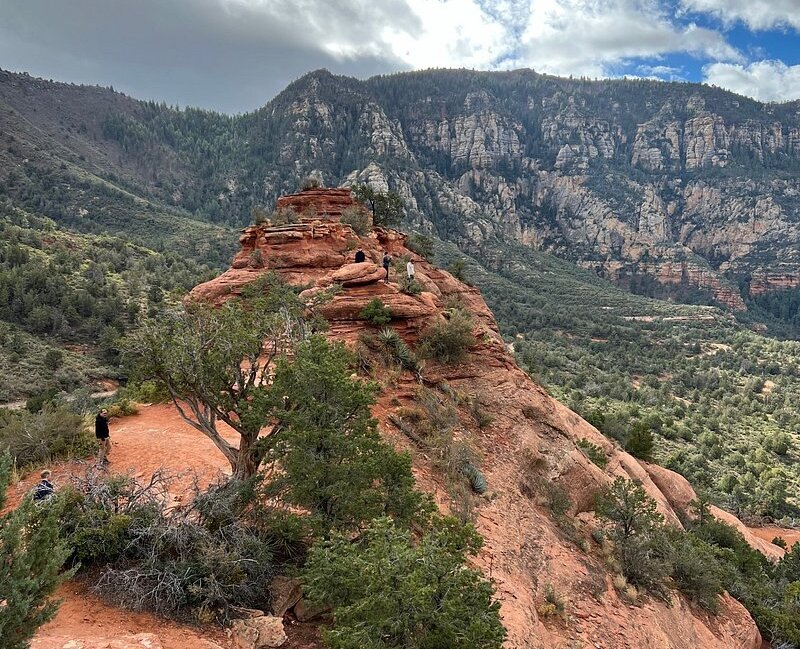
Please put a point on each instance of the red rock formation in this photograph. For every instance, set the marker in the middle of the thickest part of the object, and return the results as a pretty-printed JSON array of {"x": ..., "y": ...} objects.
[
  {"x": 325, "y": 202},
  {"x": 765, "y": 281},
  {"x": 531, "y": 441}
]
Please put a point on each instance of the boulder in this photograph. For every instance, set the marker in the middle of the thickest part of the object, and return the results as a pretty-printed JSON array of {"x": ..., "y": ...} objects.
[
  {"x": 263, "y": 632},
  {"x": 285, "y": 592},
  {"x": 305, "y": 611},
  {"x": 357, "y": 274}
]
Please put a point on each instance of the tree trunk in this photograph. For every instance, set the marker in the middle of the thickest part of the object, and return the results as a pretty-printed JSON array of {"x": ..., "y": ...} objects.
[{"x": 247, "y": 460}]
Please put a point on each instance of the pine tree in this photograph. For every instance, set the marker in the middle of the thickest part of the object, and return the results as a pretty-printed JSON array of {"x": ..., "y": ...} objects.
[{"x": 31, "y": 558}]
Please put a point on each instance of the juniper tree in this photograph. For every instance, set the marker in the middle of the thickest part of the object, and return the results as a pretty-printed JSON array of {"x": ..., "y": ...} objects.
[
  {"x": 333, "y": 461},
  {"x": 388, "y": 590},
  {"x": 217, "y": 363}
]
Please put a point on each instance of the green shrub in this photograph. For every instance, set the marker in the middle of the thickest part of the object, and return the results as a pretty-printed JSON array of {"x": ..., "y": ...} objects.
[
  {"x": 479, "y": 415},
  {"x": 634, "y": 526},
  {"x": 53, "y": 432},
  {"x": 122, "y": 408},
  {"x": 421, "y": 245},
  {"x": 695, "y": 569},
  {"x": 376, "y": 313},
  {"x": 397, "y": 350},
  {"x": 476, "y": 479},
  {"x": 388, "y": 590},
  {"x": 409, "y": 286},
  {"x": 558, "y": 501},
  {"x": 358, "y": 219},
  {"x": 593, "y": 452},
  {"x": 448, "y": 342},
  {"x": 640, "y": 442},
  {"x": 335, "y": 464},
  {"x": 149, "y": 392},
  {"x": 458, "y": 269}
]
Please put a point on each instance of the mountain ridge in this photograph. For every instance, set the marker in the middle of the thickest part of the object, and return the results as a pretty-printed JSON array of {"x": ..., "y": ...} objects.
[{"x": 690, "y": 186}]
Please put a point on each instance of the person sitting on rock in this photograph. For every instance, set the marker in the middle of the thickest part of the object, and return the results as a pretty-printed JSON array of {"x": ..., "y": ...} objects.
[
  {"x": 387, "y": 261},
  {"x": 360, "y": 256},
  {"x": 44, "y": 489},
  {"x": 410, "y": 269}
]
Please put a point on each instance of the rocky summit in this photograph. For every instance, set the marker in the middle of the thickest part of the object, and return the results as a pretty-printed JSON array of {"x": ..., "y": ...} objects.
[{"x": 529, "y": 450}]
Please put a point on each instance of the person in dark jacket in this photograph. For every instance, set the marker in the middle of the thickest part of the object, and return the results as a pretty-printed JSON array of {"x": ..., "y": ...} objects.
[
  {"x": 387, "y": 261},
  {"x": 360, "y": 256},
  {"x": 44, "y": 489},
  {"x": 102, "y": 435}
]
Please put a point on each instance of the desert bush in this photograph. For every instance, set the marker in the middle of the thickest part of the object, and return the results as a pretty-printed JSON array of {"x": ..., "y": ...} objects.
[
  {"x": 695, "y": 570},
  {"x": 148, "y": 392},
  {"x": 640, "y": 441},
  {"x": 358, "y": 219},
  {"x": 397, "y": 351},
  {"x": 36, "y": 438},
  {"x": 448, "y": 342},
  {"x": 376, "y": 313},
  {"x": 634, "y": 526},
  {"x": 284, "y": 216},
  {"x": 421, "y": 245},
  {"x": 458, "y": 269},
  {"x": 409, "y": 286},
  {"x": 553, "y": 604},
  {"x": 193, "y": 562},
  {"x": 479, "y": 415},
  {"x": 593, "y": 452},
  {"x": 389, "y": 590},
  {"x": 122, "y": 407},
  {"x": 335, "y": 464},
  {"x": 102, "y": 515},
  {"x": 310, "y": 182}
]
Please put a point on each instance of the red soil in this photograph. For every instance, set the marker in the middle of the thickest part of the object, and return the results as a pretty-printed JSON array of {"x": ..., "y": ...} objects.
[{"x": 156, "y": 438}]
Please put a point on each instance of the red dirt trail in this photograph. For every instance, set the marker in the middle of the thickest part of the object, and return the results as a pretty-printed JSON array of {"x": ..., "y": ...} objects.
[{"x": 155, "y": 438}]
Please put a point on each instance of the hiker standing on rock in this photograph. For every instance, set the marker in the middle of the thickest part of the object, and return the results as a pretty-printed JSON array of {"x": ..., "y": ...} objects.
[
  {"x": 387, "y": 261},
  {"x": 102, "y": 435},
  {"x": 410, "y": 269},
  {"x": 360, "y": 256}
]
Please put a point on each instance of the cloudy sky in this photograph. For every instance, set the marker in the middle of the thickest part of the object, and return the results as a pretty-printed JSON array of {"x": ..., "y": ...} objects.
[{"x": 235, "y": 55}]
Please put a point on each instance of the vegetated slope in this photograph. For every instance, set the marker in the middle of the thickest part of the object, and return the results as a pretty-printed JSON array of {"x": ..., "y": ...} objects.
[
  {"x": 718, "y": 398},
  {"x": 483, "y": 412},
  {"x": 65, "y": 298},
  {"x": 668, "y": 189}
]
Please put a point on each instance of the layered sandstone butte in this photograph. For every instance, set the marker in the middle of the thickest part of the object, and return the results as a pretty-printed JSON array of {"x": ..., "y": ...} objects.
[{"x": 532, "y": 439}]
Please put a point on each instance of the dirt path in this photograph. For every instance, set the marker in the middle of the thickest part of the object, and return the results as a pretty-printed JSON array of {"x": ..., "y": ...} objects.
[
  {"x": 769, "y": 532},
  {"x": 156, "y": 438}
]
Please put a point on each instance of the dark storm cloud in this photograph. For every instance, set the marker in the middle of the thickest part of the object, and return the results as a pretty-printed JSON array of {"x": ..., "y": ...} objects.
[{"x": 231, "y": 55}]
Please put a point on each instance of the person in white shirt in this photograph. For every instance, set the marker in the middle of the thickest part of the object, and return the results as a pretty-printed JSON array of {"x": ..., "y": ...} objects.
[{"x": 410, "y": 269}]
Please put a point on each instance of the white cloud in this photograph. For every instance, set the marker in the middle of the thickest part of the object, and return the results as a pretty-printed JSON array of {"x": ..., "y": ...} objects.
[
  {"x": 763, "y": 80},
  {"x": 236, "y": 54},
  {"x": 591, "y": 36},
  {"x": 453, "y": 33},
  {"x": 756, "y": 14}
]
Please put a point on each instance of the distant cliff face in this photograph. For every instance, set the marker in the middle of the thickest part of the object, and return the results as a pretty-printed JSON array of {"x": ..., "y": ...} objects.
[{"x": 687, "y": 186}]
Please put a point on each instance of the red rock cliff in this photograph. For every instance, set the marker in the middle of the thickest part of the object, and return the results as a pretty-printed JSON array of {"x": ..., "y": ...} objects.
[{"x": 531, "y": 439}]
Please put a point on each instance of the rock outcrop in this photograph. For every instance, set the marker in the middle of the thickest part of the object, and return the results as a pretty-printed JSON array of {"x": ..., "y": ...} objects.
[{"x": 529, "y": 447}]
